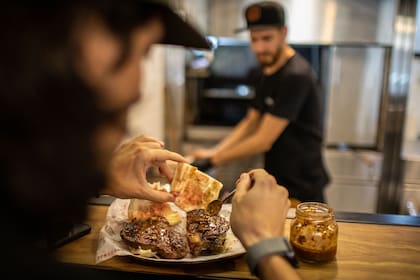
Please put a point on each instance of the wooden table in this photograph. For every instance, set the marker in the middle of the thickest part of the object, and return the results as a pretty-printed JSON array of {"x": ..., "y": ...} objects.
[{"x": 365, "y": 251}]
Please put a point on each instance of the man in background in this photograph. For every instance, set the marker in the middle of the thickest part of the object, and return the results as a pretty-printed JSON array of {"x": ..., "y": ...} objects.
[{"x": 284, "y": 120}]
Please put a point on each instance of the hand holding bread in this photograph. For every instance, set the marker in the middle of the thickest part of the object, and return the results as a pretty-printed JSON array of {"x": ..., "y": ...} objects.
[{"x": 129, "y": 165}]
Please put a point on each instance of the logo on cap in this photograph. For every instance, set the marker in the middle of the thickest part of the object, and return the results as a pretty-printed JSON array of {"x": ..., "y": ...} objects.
[
  {"x": 253, "y": 14},
  {"x": 269, "y": 101}
]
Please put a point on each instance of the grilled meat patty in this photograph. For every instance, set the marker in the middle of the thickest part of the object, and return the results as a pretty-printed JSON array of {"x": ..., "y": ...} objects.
[
  {"x": 206, "y": 234},
  {"x": 157, "y": 235}
]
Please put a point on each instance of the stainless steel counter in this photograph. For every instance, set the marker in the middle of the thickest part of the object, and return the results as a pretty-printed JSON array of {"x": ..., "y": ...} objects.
[
  {"x": 354, "y": 179},
  {"x": 410, "y": 155},
  {"x": 411, "y": 151}
]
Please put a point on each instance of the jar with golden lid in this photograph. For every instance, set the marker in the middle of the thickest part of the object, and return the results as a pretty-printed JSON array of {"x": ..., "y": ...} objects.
[{"x": 314, "y": 232}]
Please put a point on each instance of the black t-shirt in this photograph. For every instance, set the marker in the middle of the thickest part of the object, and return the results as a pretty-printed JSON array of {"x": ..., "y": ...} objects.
[{"x": 295, "y": 159}]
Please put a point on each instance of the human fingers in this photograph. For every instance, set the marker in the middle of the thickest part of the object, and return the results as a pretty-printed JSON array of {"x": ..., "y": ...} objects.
[
  {"x": 163, "y": 155},
  {"x": 158, "y": 196},
  {"x": 135, "y": 145},
  {"x": 172, "y": 165},
  {"x": 142, "y": 138},
  {"x": 283, "y": 204},
  {"x": 243, "y": 184},
  {"x": 146, "y": 141},
  {"x": 147, "y": 145},
  {"x": 258, "y": 174},
  {"x": 165, "y": 170},
  {"x": 253, "y": 200},
  {"x": 146, "y": 192},
  {"x": 158, "y": 158},
  {"x": 190, "y": 158},
  {"x": 284, "y": 200},
  {"x": 262, "y": 178}
]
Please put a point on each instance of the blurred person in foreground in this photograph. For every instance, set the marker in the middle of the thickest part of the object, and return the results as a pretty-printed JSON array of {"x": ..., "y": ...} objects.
[
  {"x": 284, "y": 121},
  {"x": 69, "y": 72}
]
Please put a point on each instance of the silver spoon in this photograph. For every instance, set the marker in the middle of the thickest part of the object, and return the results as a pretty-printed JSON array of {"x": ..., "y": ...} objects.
[{"x": 213, "y": 208}]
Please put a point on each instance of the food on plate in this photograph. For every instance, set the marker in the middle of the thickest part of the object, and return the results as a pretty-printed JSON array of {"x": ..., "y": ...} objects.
[
  {"x": 141, "y": 252},
  {"x": 150, "y": 231},
  {"x": 193, "y": 189},
  {"x": 157, "y": 235},
  {"x": 140, "y": 210},
  {"x": 206, "y": 234}
]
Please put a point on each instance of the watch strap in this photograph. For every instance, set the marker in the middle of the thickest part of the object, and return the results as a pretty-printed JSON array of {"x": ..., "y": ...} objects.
[{"x": 274, "y": 246}]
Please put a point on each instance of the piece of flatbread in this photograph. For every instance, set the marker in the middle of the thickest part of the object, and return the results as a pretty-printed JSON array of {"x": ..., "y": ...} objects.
[
  {"x": 141, "y": 209},
  {"x": 193, "y": 189}
]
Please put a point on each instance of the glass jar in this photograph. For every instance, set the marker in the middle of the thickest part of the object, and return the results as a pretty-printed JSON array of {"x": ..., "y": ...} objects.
[{"x": 314, "y": 232}]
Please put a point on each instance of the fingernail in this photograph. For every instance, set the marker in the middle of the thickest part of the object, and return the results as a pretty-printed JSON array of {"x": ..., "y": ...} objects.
[{"x": 240, "y": 178}]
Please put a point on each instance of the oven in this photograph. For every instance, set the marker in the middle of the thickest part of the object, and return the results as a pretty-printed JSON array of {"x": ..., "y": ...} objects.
[{"x": 220, "y": 92}]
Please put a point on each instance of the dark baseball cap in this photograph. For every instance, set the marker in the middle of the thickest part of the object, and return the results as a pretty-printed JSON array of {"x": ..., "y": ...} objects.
[
  {"x": 178, "y": 31},
  {"x": 263, "y": 14}
]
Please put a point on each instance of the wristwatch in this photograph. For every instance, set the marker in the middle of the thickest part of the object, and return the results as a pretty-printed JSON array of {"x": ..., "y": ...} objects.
[{"x": 275, "y": 246}]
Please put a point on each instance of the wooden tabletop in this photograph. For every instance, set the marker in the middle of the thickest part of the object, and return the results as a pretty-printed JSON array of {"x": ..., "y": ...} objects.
[{"x": 365, "y": 251}]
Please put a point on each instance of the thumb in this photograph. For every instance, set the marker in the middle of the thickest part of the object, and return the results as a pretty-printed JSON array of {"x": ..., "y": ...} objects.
[
  {"x": 158, "y": 196},
  {"x": 243, "y": 184}
]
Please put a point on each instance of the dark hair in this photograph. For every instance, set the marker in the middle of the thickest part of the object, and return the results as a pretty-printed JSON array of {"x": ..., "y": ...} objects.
[{"x": 48, "y": 114}]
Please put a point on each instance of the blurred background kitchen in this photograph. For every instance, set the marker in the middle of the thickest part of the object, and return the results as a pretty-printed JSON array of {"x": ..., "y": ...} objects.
[{"x": 367, "y": 56}]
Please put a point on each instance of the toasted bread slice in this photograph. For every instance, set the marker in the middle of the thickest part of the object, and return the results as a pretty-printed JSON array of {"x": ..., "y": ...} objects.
[
  {"x": 193, "y": 189},
  {"x": 140, "y": 209}
]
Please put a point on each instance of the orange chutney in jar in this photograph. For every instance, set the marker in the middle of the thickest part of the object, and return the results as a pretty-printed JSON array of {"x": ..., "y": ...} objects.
[{"x": 314, "y": 232}]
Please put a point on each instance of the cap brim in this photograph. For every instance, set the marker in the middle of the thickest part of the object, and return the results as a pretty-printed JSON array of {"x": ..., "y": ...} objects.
[
  {"x": 179, "y": 32},
  {"x": 256, "y": 27},
  {"x": 241, "y": 29}
]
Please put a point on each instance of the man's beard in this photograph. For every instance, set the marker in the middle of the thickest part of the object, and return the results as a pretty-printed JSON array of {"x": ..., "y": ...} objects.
[{"x": 274, "y": 57}]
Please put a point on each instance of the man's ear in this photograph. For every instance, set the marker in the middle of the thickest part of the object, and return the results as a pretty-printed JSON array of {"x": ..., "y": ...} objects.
[{"x": 284, "y": 31}]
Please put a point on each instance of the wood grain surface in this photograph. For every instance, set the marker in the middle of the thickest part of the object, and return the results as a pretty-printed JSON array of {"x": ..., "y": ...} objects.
[{"x": 365, "y": 251}]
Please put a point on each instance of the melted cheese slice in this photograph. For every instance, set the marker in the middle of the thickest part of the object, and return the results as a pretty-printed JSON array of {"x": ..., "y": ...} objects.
[{"x": 193, "y": 189}]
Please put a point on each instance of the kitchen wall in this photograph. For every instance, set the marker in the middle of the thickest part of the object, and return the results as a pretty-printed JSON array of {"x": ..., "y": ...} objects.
[
  {"x": 317, "y": 21},
  {"x": 411, "y": 145},
  {"x": 163, "y": 84},
  {"x": 147, "y": 115},
  {"x": 412, "y": 121}
]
